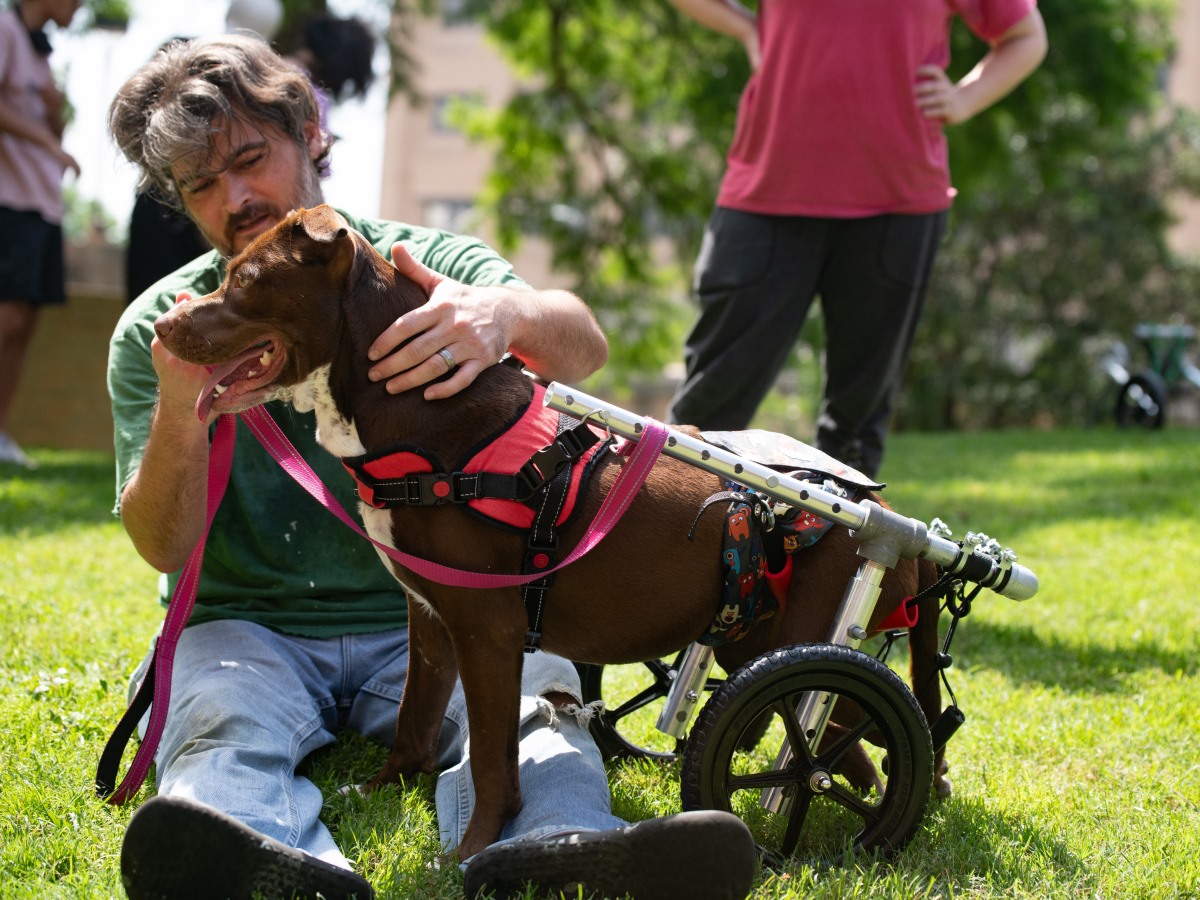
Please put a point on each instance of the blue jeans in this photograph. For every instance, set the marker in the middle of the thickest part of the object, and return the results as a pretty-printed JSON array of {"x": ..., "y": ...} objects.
[{"x": 249, "y": 704}]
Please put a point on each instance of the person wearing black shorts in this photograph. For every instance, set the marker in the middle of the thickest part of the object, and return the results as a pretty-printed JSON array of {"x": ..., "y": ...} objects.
[
  {"x": 32, "y": 162},
  {"x": 31, "y": 276}
]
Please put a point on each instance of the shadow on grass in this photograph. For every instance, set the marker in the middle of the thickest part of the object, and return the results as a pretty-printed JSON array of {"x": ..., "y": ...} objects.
[
  {"x": 66, "y": 488},
  {"x": 1025, "y": 655},
  {"x": 960, "y": 845},
  {"x": 970, "y": 843}
]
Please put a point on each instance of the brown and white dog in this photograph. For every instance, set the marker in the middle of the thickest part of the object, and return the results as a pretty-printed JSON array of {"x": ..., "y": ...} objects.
[{"x": 293, "y": 321}]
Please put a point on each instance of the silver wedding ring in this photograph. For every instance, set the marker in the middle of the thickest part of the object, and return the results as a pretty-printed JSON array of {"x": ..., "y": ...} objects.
[{"x": 445, "y": 354}]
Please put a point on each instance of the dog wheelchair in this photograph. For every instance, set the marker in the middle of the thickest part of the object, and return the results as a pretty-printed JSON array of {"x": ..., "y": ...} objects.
[
  {"x": 1143, "y": 396},
  {"x": 763, "y": 746}
]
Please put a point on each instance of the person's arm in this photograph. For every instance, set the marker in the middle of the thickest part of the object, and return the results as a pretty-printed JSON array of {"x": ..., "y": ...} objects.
[
  {"x": 163, "y": 505},
  {"x": 56, "y": 102},
  {"x": 19, "y": 125},
  {"x": 553, "y": 332},
  {"x": 726, "y": 17},
  {"x": 1013, "y": 56}
]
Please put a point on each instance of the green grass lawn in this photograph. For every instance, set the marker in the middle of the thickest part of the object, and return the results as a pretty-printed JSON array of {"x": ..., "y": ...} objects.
[{"x": 1076, "y": 775}]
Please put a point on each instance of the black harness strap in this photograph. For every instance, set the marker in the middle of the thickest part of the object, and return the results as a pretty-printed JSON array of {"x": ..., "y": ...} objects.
[
  {"x": 108, "y": 769},
  {"x": 542, "y": 545}
]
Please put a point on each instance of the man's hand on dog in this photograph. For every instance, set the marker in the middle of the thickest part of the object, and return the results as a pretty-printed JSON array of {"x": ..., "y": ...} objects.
[
  {"x": 179, "y": 382},
  {"x": 472, "y": 323}
]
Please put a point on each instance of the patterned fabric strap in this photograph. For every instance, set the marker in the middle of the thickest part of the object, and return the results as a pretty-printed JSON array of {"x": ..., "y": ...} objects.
[{"x": 758, "y": 539}]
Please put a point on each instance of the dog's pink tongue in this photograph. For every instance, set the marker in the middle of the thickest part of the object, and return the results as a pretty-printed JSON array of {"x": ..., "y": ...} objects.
[
  {"x": 204, "y": 404},
  {"x": 217, "y": 374}
]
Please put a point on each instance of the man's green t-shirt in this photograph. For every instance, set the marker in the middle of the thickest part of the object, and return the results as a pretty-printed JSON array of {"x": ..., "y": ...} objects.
[{"x": 274, "y": 555}]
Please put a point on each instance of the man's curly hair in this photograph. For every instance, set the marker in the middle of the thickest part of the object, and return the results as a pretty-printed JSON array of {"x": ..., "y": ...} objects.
[{"x": 168, "y": 112}]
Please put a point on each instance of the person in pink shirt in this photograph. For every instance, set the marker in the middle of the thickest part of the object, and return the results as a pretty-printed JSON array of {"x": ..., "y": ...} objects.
[
  {"x": 836, "y": 185},
  {"x": 32, "y": 162}
]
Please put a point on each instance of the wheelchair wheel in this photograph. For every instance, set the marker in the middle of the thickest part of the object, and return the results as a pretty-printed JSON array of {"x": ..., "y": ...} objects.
[
  {"x": 1142, "y": 401},
  {"x": 837, "y": 819},
  {"x": 625, "y": 729}
]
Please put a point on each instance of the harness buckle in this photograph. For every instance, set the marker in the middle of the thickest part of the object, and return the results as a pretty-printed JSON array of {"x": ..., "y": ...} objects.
[
  {"x": 546, "y": 463},
  {"x": 542, "y": 467},
  {"x": 535, "y": 546},
  {"x": 437, "y": 488}
]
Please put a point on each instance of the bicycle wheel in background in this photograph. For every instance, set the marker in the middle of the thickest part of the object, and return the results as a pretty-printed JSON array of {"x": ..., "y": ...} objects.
[{"x": 1142, "y": 401}]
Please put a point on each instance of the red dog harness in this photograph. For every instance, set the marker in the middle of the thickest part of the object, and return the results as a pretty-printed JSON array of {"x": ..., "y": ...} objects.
[
  {"x": 501, "y": 481},
  {"x": 527, "y": 477}
]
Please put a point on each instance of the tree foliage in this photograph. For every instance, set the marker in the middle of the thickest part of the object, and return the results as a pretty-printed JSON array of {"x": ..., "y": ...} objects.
[
  {"x": 1058, "y": 239},
  {"x": 614, "y": 150}
]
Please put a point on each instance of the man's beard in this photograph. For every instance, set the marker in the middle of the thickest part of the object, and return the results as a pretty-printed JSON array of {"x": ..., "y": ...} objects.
[{"x": 308, "y": 195}]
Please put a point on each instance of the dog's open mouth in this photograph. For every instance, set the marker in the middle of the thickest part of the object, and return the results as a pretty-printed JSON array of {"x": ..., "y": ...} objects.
[{"x": 242, "y": 382}]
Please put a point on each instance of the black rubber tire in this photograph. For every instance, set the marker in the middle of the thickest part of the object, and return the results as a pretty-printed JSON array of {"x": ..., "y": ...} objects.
[
  {"x": 1142, "y": 401},
  {"x": 716, "y": 774}
]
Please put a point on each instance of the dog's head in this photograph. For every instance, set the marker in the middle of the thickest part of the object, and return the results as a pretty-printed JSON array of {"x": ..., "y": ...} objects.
[{"x": 275, "y": 319}]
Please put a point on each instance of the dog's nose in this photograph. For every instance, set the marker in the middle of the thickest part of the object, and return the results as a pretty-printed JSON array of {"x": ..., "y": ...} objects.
[{"x": 163, "y": 325}]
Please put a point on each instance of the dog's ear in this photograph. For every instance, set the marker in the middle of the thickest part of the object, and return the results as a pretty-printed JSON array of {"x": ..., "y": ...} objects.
[{"x": 324, "y": 229}]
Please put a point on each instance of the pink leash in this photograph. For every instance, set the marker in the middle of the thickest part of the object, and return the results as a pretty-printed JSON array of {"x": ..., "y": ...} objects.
[
  {"x": 155, "y": 691},
  {"x": 158, "y": 678}
]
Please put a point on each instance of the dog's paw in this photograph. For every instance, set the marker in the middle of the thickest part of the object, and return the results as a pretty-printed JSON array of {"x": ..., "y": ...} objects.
[{"x": 942, "y": 785}]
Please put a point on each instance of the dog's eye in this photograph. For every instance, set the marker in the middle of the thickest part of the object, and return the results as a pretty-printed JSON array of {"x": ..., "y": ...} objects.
[{"x": 243, "y": 279}]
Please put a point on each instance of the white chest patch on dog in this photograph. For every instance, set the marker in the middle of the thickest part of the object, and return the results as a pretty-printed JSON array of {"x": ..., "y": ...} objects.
[
  {"x": 378, "y": 523},
  {"x": 335, "y": 432},
  {"x": 338, "y": 435}
]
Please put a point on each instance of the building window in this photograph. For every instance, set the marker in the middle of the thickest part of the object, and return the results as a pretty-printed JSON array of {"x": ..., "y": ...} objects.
[
  {"x": 456, "y": 12},
  {"x": 440, "y": 107},
  {"x": 449, "y": 215}
]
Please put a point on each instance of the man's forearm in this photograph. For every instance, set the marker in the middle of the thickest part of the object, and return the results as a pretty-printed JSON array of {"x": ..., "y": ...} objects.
[
  {"x": 556, "y": 336},
  {"x": 163, "y": 506},
  {"x": 18, "y": 125}
]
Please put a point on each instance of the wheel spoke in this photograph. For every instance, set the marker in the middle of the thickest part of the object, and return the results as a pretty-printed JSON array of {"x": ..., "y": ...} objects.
[
  {"x": 868, "y": 812},
  {"x": 786, "y": 710},
  {"x": 799, "y": 812},
  {"x": 636, "y": 702},
  {"x": 661, "y": 671},
  {"x": 759, "y": 780},
  {"x": 832, "y": 755}
]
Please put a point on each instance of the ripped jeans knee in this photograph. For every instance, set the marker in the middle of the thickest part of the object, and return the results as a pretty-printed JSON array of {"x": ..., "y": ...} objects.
[{"x": 560, "y": 702}]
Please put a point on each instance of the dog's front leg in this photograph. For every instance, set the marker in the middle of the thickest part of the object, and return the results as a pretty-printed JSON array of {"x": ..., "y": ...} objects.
[
  {"x": 490, "y": 662},
  {"x": 427, "y": 689}
]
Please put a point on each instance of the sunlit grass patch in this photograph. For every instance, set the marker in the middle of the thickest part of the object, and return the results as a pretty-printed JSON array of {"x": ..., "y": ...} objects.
[{"x": 1076, "y": 775}]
